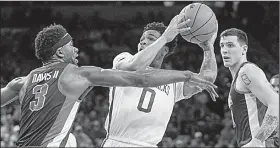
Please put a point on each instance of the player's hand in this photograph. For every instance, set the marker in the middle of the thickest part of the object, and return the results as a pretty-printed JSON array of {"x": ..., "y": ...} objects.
[
  {"x": 254, "y": 143},
  {"x": 198, "y": 81},
  {"x": 176, "y": 26}
]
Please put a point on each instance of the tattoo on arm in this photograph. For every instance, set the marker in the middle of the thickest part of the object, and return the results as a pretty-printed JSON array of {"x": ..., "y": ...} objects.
[
  {"x": 209, "y": 66},
  {"x": 245, "y": 79},
  {"x": 267, "y": 128}
]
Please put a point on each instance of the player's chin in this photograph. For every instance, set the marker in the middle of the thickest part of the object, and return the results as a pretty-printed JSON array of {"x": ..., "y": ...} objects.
[{"x": 227, "y": 64}]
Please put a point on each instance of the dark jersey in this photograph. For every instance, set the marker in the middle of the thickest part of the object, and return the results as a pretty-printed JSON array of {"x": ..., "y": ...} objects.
[
  {"x": 47, "y": 113},
  {"x": 247, "y": 112}
]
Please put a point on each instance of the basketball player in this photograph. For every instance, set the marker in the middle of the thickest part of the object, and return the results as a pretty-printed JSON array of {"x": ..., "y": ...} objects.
[
  {"x": 274, "y": 81},
  {"x": 50, "y": 95},
  {"x": 138, "y": 117},
  {"x": 253, "y": 102}
]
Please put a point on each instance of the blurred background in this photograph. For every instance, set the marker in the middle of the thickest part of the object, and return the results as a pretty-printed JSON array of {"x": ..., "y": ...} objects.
[{"x": 102, "y": 30}]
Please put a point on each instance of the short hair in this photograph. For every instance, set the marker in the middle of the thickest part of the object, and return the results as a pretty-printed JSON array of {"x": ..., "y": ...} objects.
[
  {"x": 241, "y": 35},
  {"x": 160, "y": 27},
  {"x": 46, "y": 39},
  {"x": 275, "y": 76}
]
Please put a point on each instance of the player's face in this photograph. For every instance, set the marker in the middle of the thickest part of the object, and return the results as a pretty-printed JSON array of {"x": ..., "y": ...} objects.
[
  {"x": 275, "y": 84},
  {"x": 148, "y": 37},
  {"x": 231, "y": 50},
  {"x": 70, "y": 53}
]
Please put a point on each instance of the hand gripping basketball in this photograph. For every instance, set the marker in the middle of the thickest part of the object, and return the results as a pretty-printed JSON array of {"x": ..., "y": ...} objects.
[
  {"x": 203, "y": 22},
  {"x": 174, "y": 28}
]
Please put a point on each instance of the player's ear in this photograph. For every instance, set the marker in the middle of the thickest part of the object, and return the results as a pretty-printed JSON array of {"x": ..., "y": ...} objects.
[
  {"x": 59, "y": 52},
  {"x": 245, "y": 48},
  {"x": 165, "y": 50}
]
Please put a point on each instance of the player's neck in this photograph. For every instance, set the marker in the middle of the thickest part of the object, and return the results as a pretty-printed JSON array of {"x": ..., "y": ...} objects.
[
  {"x": 52, "y": 61},
  {"x": 233, "y": 69}
]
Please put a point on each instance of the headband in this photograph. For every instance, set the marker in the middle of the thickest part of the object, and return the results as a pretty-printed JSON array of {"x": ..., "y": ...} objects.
[{"x": 63, "y": 41}]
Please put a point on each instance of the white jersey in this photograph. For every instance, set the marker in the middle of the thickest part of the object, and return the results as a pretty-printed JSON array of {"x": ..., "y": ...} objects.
[{"x": 140, "y": 115}]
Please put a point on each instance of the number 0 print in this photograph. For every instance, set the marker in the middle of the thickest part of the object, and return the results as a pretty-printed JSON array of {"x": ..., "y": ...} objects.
[
  {"x": 143, "y": 97},
  {"x": 40, "y": 91}
]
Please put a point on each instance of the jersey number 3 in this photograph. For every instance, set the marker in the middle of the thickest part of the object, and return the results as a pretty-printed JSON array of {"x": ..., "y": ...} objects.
[
  {"x": 39, "y": 91},
  {"x": 143, "y": 97}
]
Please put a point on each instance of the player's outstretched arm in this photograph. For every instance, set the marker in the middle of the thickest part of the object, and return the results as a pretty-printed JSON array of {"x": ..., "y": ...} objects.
[
  {"x": 11, "y": 91},
  {"x": 208, "y": 69},
  {"x": 255, "y": 80},
  {"x": 141, "y": 78},
  {"x": 144, "y": 58}
]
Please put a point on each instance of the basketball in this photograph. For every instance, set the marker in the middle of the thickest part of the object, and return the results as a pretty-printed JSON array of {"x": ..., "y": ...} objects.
[{"x": 203, "y": 22}]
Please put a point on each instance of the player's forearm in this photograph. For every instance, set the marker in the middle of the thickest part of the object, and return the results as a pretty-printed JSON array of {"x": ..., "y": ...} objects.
[
  {"x": 208, "y": 68},
  {"x": 270, "y": 122},
  {"x": 157, "y": 77},
  {"x": 145, "y": 57},
  {"x": 140, "y": 78}
]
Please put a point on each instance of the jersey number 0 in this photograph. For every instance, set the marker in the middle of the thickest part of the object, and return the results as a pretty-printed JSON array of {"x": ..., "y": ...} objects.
[
  {"x": 39, "y": 91},
  {"x": 143, "y": 97}
]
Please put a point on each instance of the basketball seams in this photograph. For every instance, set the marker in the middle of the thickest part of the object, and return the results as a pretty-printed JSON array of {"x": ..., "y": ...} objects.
[
  {"x": 196, "y": 15},
  {"x": 199, "y": 35},
  {"x": 201, "y": 25},
  {"x": 185, "y": 9},
  {"x": 195, "y": 38},
  {"x": 194, "y": 20},
  {"x": 205, "y": 34}
]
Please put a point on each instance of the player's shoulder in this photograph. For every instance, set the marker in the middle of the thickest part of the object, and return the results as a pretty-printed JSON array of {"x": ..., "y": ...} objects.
[
  {"x": 122, "y": 56},
  {"x": 72, "y": 78},
  {"x": 250, "y": 69},
  {"x": 72, "y": 72},
  {"x": 17, "y": 83},
  {"x": 250, "y": 72}
]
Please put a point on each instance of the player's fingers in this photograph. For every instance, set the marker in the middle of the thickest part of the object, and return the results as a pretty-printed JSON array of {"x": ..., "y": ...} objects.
[
  {"x": 209, "y": 84},
  {"x": 183, "y": 24},
  {"x": 213, "y": 94},
  {"x": 184, "y": 29},
  {"x": 180, "y": 17},
  {"x": 174, "y": 19},
  {"x": 202, "y": 82},
  {"x": 213, "y": 91}
]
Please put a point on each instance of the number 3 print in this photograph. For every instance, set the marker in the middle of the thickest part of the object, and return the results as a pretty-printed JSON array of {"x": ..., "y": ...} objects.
[{"x": 40, "y": 91}]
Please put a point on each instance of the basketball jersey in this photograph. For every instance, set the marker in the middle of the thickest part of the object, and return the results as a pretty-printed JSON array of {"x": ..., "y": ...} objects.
[
  {"x": 247, "y": 112},
  {"x": 140, "y": 115},
  {"x": 47, "y": 112}
]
